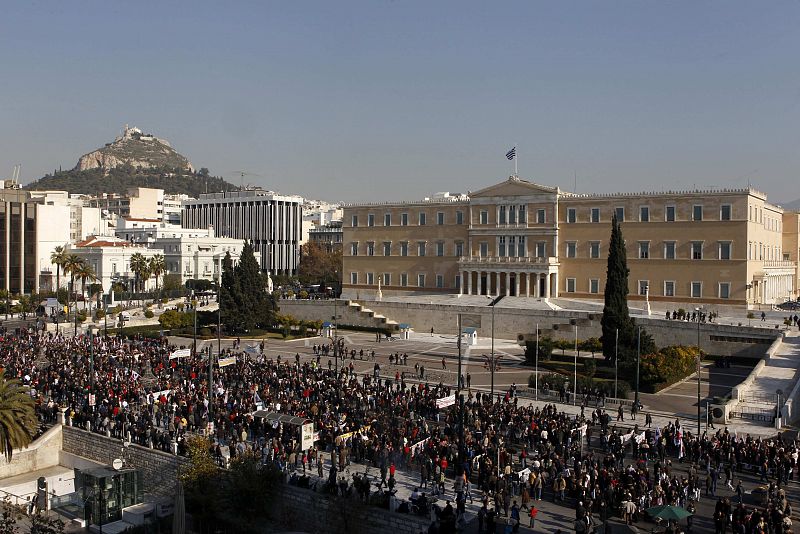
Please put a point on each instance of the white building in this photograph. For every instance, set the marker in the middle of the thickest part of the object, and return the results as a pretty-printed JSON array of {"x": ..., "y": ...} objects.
[
  {"x": 148, "y": 231},
  {"x": 110, "y": 258},
  {"x": 197, "y": 257},
  {"x": 271, "y": 221},
  {"x": 172, "y": 208},
  {"x": 84, "y": 221}
]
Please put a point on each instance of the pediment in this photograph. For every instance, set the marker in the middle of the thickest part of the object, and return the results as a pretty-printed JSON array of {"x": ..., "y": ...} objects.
[{"x": 514, "y": 187}]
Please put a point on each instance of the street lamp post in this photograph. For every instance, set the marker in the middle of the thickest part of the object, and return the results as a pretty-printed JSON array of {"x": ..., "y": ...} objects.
[
  {"x": 91, "y": 357},
  {"x": 194, "y": 311},
  {"x": 493, "y": 364},
  {"x": 336, "y": 335},
  {"x": 575, "y": 377},
  {"x": 638, "y": 358},
  {"x": 616, "y": 360},
  {"x": 699, "y": 355},
  {"x": 536, "y": 369}
]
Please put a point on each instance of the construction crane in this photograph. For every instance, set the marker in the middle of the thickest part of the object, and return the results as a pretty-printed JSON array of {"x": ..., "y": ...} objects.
[
  {"x": 241, "y": 174},
  {"x": 15, "y": 175}
]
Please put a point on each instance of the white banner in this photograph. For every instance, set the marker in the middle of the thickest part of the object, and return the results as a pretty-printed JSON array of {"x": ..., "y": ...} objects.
[
  {"x": 306, "y": 436},
  {"x": 444, "y": 402},
  {"x": 626, "y": 437},
  {"x": 582, "y": 429},
  {"x": 415, "y": 448},
  {"x": 230, "y": 360},
  {"x": 180, "y": 353},
  {"x": 640, "y": 438}
]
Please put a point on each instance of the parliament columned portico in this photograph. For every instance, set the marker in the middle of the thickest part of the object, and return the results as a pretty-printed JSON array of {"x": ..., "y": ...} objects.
[{"x": 522, "y": 277}]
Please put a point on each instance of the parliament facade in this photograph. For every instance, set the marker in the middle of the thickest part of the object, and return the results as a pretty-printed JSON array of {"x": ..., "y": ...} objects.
[{"x": 518, "y": 238}]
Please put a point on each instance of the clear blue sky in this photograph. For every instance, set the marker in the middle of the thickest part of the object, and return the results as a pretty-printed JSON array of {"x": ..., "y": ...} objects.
[{"x": 379, "y": 100}]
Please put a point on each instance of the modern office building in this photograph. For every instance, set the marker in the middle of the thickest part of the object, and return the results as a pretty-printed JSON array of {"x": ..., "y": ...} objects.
[
  {"x": 271, "y": 221},
  {"x": 524, "y": 239},
  {"x": 29, "y": 232}
]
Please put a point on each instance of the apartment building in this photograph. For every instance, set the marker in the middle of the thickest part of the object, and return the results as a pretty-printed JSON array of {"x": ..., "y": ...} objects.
[{"x": 524, "y": 239}]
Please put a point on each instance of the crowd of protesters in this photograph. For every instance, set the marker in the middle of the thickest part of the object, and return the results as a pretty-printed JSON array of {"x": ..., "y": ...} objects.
[{"x": 503, "y": 453}]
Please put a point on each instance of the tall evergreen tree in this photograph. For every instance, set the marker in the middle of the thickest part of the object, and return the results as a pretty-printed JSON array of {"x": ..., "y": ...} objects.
[
  {"x": 228, "y": 296},
  {"x": 256, "y": 310},
  {"x": 616, "y": 316}
]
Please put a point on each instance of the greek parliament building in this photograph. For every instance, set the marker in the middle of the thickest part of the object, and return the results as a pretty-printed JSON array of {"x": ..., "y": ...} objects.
[
  {"x": 519, "y": 238},
  {"x": 271, "y": 221}
]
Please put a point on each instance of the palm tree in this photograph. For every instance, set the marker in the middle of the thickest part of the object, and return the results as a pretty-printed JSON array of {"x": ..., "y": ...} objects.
[
  {"x": 57, "y": 258},
  {"x": 139, "y": 265},
  {"x": 85, "y": 272},
  {"x": 157, "y": 266},
  {"x": 72, "y": 263},
  {"x": 17, "y": 416}
]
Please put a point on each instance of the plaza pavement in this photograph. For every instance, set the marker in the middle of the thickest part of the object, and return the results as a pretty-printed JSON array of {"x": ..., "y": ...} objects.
[{"x": 429, "y": 350}]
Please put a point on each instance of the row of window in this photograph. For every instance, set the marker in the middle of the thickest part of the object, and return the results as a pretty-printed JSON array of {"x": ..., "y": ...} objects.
[
  {"x": 515, "y": 246},
  {"x": 422, "y": 219},
  {"x": 644, "y": 213},
  {"x": 517, "y": 214},
  {"x": 695, "y": 288},
  {"x": 386, "y": 280},
  {"x": 724, "y": 249},
  {"x": 403, "y": 246}
]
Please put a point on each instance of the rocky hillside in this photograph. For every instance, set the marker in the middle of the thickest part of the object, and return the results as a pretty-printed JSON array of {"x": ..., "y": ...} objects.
[
  {"x": 137, "y": 149},
  {"x": 133, "y": 159}
]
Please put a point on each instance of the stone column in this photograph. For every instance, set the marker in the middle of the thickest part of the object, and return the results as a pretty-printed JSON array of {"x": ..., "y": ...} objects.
[
  {"x": 508, "y": 283},
  {"x": 460, "y": 283},
  {"x": 547, "y": 286},
  {"x": 469, "y": 282},
  {"x": 480, "y": 284},
  {"x": 528, "y": 285},
  {"x": 518, "y": 284}
]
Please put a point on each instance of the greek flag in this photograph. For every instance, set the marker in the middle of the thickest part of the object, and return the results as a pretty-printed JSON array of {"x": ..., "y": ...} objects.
[{"x": 511, "y": 154}]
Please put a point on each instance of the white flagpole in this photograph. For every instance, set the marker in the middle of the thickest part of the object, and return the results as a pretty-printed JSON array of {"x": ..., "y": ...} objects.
[{"x": 515, "y": 162}]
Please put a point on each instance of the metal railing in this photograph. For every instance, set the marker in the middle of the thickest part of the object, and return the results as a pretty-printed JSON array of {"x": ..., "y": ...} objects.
[{"x": 551, "y": 260}]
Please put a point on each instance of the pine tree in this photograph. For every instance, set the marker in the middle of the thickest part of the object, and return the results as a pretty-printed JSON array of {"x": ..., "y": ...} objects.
[{"x": 256, "y": 310}]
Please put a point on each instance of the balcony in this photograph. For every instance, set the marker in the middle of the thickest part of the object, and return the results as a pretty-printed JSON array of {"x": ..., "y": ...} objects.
[
  {"x": 780, "y": 264},
  {"x": 508, "y": 262}
]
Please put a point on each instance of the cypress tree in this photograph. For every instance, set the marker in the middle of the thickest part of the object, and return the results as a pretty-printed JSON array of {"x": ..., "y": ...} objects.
[{"x": 616, "y": 316}]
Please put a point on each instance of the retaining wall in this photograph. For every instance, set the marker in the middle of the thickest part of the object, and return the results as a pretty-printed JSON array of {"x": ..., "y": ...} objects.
[
  {"x": 159, "y": 469},
  {"x": 295, "y": 508},
  {"x": 304, "y": 510},
  {"x": 41, "y": 454},
  {"x": 512, "y": 322}
]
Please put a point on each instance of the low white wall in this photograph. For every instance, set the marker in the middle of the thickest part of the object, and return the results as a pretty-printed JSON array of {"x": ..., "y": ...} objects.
[
  {"x": 41, "y": 454},
  {"x": 744, "y": 386}
]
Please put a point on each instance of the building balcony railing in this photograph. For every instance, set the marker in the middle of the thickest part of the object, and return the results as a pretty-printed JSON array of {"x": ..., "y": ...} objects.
[
  {"x": 780, "y": 264},
  {"x": 507, "y": 260}
]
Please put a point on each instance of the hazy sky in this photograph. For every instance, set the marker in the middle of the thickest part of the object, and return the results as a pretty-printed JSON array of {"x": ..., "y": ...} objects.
[{"x": 380, "y": 100}]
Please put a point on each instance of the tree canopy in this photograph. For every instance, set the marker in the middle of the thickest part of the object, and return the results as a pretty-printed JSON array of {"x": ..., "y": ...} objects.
[
  {"x": 245, "y": 303},
  {"x": 319, "y": 266}
]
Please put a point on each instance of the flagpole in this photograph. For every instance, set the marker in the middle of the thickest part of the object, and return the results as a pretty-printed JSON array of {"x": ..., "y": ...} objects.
[{"x": 515, "y": 161}]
